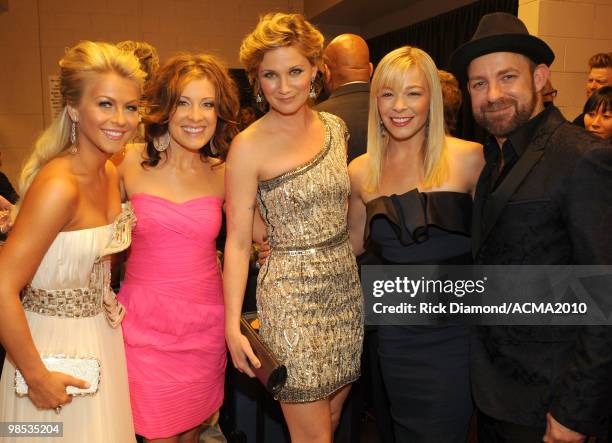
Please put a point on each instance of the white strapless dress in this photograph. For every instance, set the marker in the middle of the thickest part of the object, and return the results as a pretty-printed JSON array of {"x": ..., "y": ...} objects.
[{"x": 70, "y": 262}]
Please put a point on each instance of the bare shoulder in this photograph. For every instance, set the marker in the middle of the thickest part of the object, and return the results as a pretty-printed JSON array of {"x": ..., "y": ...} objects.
[
  {"x": 54, "y": 187},
  {"x": 247, "y": 145},
  {"x": 358, "y": 167},
  {"x": 358, "y": 171},
  {"x": 463, "y": 147},
  {"x": 467, "y": 153},
  {"x": 466, "y": 159},
  {"x": 131, "y": 156}
]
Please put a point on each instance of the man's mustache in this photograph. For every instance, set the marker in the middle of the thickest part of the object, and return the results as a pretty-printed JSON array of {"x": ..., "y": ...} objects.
[{"x": 498, "y": 104}]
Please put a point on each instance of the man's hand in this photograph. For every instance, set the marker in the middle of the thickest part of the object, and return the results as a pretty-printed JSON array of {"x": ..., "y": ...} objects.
[
  {"x": 557, "y": 433},
  {"x": 263, "y": 252}
]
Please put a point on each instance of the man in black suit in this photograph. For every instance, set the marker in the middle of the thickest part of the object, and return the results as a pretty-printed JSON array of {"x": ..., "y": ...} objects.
[
  {"x": 543, "y": 198},
  {"x": 347, "y": 71}
]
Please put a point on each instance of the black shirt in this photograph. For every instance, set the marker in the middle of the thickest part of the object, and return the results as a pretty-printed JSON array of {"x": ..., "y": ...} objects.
[{"x": 495, "y": 170}]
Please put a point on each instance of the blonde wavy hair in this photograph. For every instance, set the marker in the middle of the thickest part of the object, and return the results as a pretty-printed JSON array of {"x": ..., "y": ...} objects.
[
  {"x": 146, "y": 55},
  {"x": 81, "y": 63},
  {"x": 278, "y": 30},
  {"x": 390, "y": 74}
]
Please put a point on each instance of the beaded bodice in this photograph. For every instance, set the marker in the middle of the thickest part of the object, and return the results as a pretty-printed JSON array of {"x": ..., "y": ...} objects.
[{"x": 307, "y": 205}]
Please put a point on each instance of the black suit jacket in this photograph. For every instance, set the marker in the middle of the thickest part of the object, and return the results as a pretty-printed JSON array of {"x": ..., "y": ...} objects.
[
  {"x": 350, "y": 103},
  {"x": 553, "y": 207}
]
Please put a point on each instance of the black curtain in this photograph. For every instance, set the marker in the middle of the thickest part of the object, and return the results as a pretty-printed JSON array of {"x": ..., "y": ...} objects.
[{"x": 439, "y": 37}]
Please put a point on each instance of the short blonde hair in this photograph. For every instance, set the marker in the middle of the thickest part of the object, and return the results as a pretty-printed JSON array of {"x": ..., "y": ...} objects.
[
  {"x": 278, "y": 30},
  {"x": 390, "y": 73}
]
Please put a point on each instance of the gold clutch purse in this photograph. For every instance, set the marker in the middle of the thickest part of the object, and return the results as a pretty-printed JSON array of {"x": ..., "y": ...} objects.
[{"x": 84, "y": 368}]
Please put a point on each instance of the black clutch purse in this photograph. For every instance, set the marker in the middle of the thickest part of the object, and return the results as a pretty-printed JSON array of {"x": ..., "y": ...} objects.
[{"x": 272, "y": 374}]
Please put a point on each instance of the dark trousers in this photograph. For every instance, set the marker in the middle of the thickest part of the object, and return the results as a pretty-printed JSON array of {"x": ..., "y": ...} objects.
[
  {"x": 491, "y": 430},
  {"x": 426, "y": 375}
]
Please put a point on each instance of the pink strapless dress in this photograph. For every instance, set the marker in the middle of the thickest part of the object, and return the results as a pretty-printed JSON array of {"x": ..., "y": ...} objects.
[{"x": 174, "y": 327}]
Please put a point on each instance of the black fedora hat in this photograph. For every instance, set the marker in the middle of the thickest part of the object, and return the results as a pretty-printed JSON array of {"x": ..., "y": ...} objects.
[{"x": 500, "y": 32}]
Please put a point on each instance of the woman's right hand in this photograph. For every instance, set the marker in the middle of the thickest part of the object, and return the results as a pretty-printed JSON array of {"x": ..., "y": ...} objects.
[
  {"x": 242, "y": 353},
  {"x": 49, "y": 391}
]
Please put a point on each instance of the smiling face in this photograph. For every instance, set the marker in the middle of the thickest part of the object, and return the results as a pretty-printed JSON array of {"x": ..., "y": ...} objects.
[
  {"x": 192, "y": 124},
  {"x": 107, "y": 113},
  {"x": 285, "y": 76},
  {"x": 404, "y": 107},
  {"x": 504, "y": 91}
]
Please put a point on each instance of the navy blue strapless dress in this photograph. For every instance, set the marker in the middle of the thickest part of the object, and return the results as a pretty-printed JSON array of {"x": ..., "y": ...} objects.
[{"x": 425, "y": 369}]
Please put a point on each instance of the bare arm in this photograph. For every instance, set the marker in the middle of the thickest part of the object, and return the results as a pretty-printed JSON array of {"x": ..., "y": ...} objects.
[
  {"x": 240, "y": 192},
  {"x": 47, "y": 209},
  {"x": 129, "y": 158},
  {"x": 357, "y": 208}
]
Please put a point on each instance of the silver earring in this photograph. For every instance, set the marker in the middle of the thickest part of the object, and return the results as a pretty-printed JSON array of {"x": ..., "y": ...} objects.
[
  {"x": 313, "y": 91},
  {"x": 162, "y": 142},
  {"x": 73, "y": 137},
  {"x": 259, "y": 98}
]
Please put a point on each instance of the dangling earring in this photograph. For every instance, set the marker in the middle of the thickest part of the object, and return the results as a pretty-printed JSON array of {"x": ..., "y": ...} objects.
[
  {"x": 313, "y": 91},
  {"x": 73, "y": 137},
  {"x": 259, "y": 97},
  {"x": 213, "y": 148},
  {"x": 383, "y": 130},
  {"x": 162, "y": 142}
]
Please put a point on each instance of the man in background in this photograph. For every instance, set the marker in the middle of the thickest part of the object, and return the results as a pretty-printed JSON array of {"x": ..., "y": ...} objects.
[
  {"x": 346, "y": 72},
  {"x": 600, "y": 75}
]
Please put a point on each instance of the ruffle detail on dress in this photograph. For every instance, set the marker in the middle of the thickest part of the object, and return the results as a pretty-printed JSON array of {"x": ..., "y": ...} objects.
[
  {"x": 122, "y": 231},
  {"x": 411, "y": 214}
]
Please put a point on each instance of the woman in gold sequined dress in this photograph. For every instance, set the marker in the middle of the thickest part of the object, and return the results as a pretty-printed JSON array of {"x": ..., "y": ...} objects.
[
  {"x": 292, "y": 164},
  {"x": 69, "y": 221}
]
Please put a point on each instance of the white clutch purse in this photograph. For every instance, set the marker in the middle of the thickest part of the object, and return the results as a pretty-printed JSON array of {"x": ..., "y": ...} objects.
[{"x": 85, "y": 368}]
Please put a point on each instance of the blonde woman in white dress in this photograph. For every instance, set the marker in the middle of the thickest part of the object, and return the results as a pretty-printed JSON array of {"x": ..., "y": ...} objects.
[{"x": 69, "y": 220}]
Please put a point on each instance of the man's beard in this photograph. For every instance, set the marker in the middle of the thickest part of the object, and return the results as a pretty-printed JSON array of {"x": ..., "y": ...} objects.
[{"x": 501, "y": 127}]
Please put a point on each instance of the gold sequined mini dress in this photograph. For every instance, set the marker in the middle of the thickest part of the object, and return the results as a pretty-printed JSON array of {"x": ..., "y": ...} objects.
[{"x": 309, "y": 299}]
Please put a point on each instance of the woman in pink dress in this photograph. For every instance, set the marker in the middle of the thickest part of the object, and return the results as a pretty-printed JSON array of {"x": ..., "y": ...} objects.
[{"x": 174, "y": 326}]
